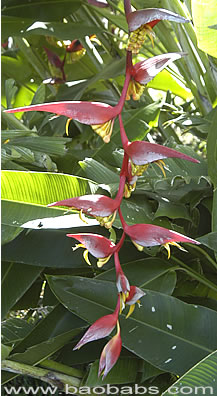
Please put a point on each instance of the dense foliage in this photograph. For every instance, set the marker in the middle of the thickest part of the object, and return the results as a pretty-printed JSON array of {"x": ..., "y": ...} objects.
[{"x": 72, "y": 50}]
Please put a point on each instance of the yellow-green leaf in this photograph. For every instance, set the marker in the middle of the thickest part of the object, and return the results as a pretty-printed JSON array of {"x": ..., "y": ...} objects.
[{"x": 204, "y": 17}]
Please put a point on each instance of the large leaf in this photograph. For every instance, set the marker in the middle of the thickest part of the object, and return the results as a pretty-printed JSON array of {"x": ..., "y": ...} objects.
[
  {"x": 25, "y": 193},
  {"x": 51, "y": 333},
  {"x": 209, "y": 240},
  {"x": 39, "y": 352},
  {"x": 14, "y": 330},
  {"x": 202, "y": 377},
  {"x": 38, "y": 217},
  {"x": 49, "y": 145},
  {"x": 162, "y": 331},
  {"x": 164, "y": 80},
  {"x": 40, "y": 188},
  {"x": 51, "y": 248},
  {"x": 8, "y": 233},
  {"x": 16, "y": 280},
  {"x": 62, "y": 31},
  {"x": 58, "y": 321},
  {"x": 204, "y": 17},
  {"x": 45, "y": 248},
  {"x": 40, "y": 10}
]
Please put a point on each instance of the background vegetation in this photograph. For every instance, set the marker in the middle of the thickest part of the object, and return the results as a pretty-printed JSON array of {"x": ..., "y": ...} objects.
[{"x": 49, "y": 295}]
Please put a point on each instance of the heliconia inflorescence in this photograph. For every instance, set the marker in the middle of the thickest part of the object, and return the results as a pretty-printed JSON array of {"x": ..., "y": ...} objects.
[{"x": 138, "y": 155}]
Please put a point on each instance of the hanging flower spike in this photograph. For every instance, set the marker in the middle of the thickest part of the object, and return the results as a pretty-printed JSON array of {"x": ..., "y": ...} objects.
[
  {"x": 134, "y": 297},
  {"x": 146, "y": 235},
  {"x": 144, "y": 71},
  {"x": 99, "y": 246},
  {"x": 122, "y": 282},
  {"x": 99, "y": 115},
  {"x": 110, "y": 354},
  {"x": 143, "y": 153},
  {"x": 103, "y": 208},
  {"x": 101, "y": 328},
  {"x": 141, "y": 22}
]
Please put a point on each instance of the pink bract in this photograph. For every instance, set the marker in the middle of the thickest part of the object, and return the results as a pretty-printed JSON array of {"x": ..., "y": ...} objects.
[
  {"x": 142, "y": 153},
  {"x": 152, "y": 16},
  {"x": 101, "y": 328},
  {"x": 146, "y": 70},
  {"x": 97, "y": 245},
  {"x": 85, "y": 112},
  {"x": 152, "y": 235},
  {"x": 110, "y": 354}
]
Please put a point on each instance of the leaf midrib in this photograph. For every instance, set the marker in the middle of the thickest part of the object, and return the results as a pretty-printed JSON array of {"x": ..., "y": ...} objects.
[{"x": 142, "y": 323}]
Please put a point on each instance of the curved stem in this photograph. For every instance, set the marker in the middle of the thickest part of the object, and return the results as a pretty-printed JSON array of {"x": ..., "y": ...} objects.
[
  {"x": 129, "y": 63},
  {"x": 120, "y": 104},
  {"x": 117, "y": 309},
  {"x": 120, "y": 243},
  {"x": 120, "y": 192},
  {"x": 124, "y": 137},
  {"x": 124, "y": 168},
  {"x": 117, "y": 262},
  {"x": 124, "y": 224}
]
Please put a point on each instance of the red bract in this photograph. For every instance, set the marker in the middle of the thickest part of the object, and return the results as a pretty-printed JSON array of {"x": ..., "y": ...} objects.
[
  {"x": 152, "y": 16},
  {"x": 101, "y": 328},
  {"x": 110, "y": 354},
  {"x": 144, "y": 153},
  {"x": 146, "y": 235},
  {"x": 101, "y": 207},
  {"x": 99, "y": 246},
  {"x": 141, "y": 22},
  {"x": 134, "y": 297},
  {"x": 144, "y": 71},
  {"x": 99, "y": 115}
]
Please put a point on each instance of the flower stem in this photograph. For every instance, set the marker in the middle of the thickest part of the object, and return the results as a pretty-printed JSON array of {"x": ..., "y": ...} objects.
[
  {"x": 124, "y": 137},
  {"x": 120, "y": 243},
  {"x": 120, "y": 104},
  {"x": 124, "y": 224},
  {"x": 117, "y": 309},
  {"x": 120, "y": 192},
  {"x": 127, "y": 7}
]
